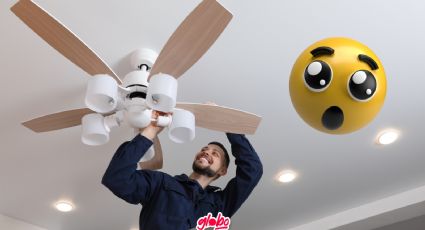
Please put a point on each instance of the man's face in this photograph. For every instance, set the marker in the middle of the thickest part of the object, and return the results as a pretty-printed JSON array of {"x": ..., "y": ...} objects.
[{"x": 210, "y": 161}]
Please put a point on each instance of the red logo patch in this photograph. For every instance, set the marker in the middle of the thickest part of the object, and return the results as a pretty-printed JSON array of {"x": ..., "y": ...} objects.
[{"x": 219, "y": 223}]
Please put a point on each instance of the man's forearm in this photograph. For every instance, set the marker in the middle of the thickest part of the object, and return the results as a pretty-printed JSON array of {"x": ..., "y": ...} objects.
[
  {"x": 148, "y": 133},
  {"x": 248, "y": 173},
  {"x": 157, "y": 161},
  {"x": 124, "y": 162},
  {"x": 242, "y": 150}
]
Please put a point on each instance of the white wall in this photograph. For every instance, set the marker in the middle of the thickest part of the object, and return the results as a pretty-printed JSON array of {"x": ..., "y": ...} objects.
[
  {"x": 14, "y": 224},
  {"x": 386, "y": 211},
  {"x": 417, "y": 223}
]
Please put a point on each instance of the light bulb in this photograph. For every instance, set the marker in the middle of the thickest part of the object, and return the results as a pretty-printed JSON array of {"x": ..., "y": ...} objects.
[
  {"x": 388, "y": 137},
  {"x": 286, "y": 176},
  {"x": 64, "y": 206}
]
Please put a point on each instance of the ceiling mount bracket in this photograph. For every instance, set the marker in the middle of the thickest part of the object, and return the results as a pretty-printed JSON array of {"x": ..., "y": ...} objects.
[{"x": 143, "y": 58}]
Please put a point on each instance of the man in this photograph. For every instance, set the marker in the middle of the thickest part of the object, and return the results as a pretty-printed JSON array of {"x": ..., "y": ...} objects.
[{"x": 176, "y": 203}]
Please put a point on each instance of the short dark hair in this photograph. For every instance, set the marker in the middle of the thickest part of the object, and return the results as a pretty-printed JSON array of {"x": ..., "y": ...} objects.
[{"x": 226, "y": 154}]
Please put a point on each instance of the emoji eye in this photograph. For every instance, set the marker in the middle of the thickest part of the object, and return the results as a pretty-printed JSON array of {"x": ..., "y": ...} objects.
[
  {"x": 362, "y": 85},
  {"x": 317, "y": 76}
]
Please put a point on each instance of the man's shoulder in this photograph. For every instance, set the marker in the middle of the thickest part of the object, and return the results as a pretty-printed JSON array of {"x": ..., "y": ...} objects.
[
  {"x": 164, "y": 176},
  {"x": 155, "y": 175},
  {"x": 166, "y": 181}
]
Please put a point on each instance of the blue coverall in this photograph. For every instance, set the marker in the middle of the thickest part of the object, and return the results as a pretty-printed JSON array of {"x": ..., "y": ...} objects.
[{"x": 175, "y": 203}]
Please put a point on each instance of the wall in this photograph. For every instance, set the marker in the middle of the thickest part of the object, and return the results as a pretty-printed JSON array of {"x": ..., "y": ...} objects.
[
  {"x": 417, "y": 223},
  {"x": 14, "y": 224}
]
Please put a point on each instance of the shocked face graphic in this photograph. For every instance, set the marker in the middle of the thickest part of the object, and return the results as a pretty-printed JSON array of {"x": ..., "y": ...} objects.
[{"x": 337, "y": 85}]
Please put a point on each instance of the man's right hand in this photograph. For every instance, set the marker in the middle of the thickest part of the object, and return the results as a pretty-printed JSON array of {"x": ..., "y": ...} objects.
[{"x": 152, "y": 130}]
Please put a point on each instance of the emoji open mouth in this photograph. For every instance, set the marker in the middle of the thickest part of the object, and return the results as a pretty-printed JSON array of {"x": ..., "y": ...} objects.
[{"x": 333, "y": 118}]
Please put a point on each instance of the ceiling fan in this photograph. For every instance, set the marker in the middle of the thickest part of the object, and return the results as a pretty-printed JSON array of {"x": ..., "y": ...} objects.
[{"x": 150, "y": 89}]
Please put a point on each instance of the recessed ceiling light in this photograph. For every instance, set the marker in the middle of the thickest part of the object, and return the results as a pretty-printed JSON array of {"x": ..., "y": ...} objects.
[
  {"x": 286, "y": 176},
  {"x": 387, "y": 137},
  {"x": 64, "y": 206}
]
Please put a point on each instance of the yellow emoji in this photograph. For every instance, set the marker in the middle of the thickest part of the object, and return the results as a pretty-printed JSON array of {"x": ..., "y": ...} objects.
[{"x": 337, "y": 85}]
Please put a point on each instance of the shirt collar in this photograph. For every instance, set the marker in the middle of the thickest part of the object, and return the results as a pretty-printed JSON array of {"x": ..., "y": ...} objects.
[{"x": 186, "y": 179}]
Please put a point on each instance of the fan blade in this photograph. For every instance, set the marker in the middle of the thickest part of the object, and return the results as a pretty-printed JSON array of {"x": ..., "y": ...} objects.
[
  {"x": 57, "y": 121},
  {"x": 157, "y": 161},
  {"x": 60, "y": 38},
  {"x": 192, "y": 39},
  {"x": 221, "y": 118}
]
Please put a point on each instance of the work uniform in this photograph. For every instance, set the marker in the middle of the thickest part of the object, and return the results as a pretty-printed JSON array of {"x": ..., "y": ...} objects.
[{"x": 176, "y": 203}]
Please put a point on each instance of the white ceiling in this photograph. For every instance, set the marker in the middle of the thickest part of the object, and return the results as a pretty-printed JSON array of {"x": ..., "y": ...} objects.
[{"x": 247, "y": 68}]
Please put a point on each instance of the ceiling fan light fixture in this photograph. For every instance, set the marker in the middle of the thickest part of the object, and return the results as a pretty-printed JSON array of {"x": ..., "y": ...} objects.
[
  {"x": 95, "y": 132},
  {"x": 96, "y": 127},
  {"x": 182, "y": 127},
  {"x": 162, "y": 93},
  {"x": 139, "y": 118},
  {"x": 143, "y": 57},
  {"x": 136, "y": 78},
  {"x": 105, "y": 94},
  {"x": 102, "y": 93}
]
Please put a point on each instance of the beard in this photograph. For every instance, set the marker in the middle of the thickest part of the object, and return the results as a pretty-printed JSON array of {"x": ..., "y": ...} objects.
[{"x": 207, "y": 171}]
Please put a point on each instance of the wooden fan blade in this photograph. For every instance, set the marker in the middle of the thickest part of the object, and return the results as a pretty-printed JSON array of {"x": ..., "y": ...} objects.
[
  {"x": 221, "y": 118},
  {"x": 192, "y": 39},
  {"x": 57, "y": 121},
  {"x": 157, "y": 161},
  {"x": 61, "y": 38}
]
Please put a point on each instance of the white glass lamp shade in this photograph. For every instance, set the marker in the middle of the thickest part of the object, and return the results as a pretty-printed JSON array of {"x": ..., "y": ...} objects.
[
  {"x": 182, "y": 127},
  {"x": 162, "y": 93},
  {"x": 95, "y": 132},
  {"x": 139, "y": 118},
  {"x": 102, "y": 93},
  {"x": 163, "y": 121}
]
